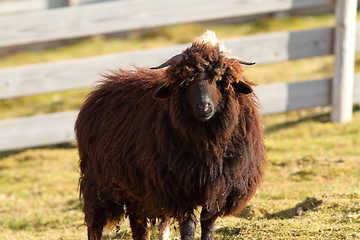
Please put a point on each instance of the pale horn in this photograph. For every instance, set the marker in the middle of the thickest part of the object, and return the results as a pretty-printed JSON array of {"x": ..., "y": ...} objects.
[
  {"x": 227, "y": 54},
  {"x": 245, "y": 62},
  {"x": 168, "y": 62}
]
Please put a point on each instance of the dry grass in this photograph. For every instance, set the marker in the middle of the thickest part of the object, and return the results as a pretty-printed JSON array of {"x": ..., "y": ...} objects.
[
  {"x": 311, "y": 190},
  {"x": 312, "y": 186}
]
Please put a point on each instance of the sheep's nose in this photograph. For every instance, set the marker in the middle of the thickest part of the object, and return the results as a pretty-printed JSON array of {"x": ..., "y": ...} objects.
[
  {"x": 204, "y": 107},
  {"x": 204, "y": 110}
]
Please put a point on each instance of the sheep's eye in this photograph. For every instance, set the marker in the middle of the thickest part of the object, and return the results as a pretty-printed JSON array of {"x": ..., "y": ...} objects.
[
  {"x": 223, "y": 85},
  {"x": 219, "y": 83}
]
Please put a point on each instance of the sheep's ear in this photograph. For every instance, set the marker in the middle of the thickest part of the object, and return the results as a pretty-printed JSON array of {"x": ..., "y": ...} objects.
[
  {"x": 241, "y": 87},
  {"x": 162, "y": 92}
]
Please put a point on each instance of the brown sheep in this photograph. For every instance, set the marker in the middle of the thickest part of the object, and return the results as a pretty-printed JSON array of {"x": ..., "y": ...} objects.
[{"x": 157, "y": 144}]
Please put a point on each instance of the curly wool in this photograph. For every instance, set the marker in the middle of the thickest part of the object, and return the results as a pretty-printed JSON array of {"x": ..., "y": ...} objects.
[{"x": 152, "y": 157}]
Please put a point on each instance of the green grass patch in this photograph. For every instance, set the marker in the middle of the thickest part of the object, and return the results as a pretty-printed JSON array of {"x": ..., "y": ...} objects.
[{"x": 42, "y": 104}]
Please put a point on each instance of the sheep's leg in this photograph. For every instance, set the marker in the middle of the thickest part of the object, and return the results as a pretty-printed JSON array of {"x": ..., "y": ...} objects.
[
  {"x": 207, "y": 225},
  {"x": 188, "y": 227},
  {"x": 94, "y": 210},
  {"x": 164, "y": 229},
  {"x": 139, "y": 227},
  {"x": 95, "y": 228}
]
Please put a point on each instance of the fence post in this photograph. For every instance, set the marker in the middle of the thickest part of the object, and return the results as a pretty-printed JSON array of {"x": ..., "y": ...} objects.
[{"x": 344, "y": 49}]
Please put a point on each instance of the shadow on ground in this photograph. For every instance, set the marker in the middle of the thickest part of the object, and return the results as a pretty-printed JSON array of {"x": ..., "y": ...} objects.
[
  {"x": 321, "y": 117},
  {"x": 309, "y": 204},
  {"x": 325, "y": 117}
]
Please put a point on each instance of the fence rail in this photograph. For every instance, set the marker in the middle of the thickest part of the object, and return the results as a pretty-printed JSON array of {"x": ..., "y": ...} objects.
[
  {"x": 88, "y": 20},
  {"x": 57, "y": 128},
  {"x": 120, "y": 16},
  {"x": 79, "y": 73},
  {"x": 18, "y": 6}
]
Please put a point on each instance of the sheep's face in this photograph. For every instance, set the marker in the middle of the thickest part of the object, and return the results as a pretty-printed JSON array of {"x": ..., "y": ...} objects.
[
  {"x": 203, "y": 76},
  {"x": 203, "y": 96},
  {"x": 206, "y": 96}
]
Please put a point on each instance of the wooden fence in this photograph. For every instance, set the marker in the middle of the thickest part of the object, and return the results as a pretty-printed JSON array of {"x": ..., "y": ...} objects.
[
  {"x": 18, "y": 6},
  {"x": 120, "y": 16}
]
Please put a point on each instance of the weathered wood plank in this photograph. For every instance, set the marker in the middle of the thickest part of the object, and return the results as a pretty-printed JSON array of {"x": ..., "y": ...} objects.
[
  {"x": 283, "y": 46},
  {"x": 118, "y": 16},
  {"x": 37, "y": 130},
  {"x": 17, "y": 6},
  {"x": 78, "y": 73},
  {"x": 283, "y": 97},
  {"x": 58, "y": 127},
  {"x": 72, "y": 74},
  {"x": 10, "y": 7},
  {"x": 343, "y": 82}
]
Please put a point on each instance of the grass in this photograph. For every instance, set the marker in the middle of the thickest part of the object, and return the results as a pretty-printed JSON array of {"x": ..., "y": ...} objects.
[
  {"x": 312, "y": 185},
  {"x": 311, "y": 189}
]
